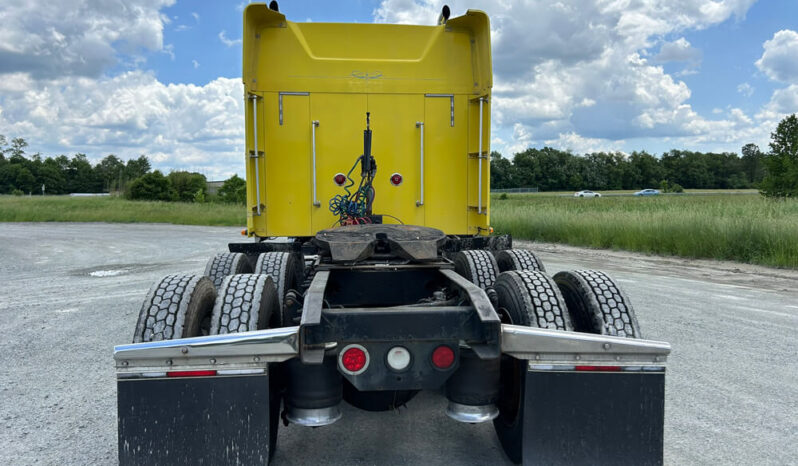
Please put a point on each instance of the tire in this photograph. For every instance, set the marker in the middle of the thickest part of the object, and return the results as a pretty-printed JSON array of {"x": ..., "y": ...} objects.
[
  {"x": 287, "y": 272},
  {"x": 224, "y": 264},
  {"x": 178, "y": 306},
  {"x": 245, "y": 303},
  {"x": 478, "y": 266},
  {"x": 518, "y": 259},
  {"x": 597, "y": 304},
  {"x": 532, "y": 299}
]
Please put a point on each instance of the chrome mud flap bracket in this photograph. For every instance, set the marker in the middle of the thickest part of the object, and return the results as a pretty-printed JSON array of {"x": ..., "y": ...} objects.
[
  {"x": 590, "y": 399},
  {"x": 203, "y": 400}
]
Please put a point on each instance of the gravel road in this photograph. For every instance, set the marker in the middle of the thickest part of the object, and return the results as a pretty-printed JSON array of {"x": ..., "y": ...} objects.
[{"x": 69, "y": 292}]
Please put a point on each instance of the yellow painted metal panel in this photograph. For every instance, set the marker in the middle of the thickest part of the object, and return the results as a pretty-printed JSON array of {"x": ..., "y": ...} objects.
[
  {"x": 348, "y": 69},
  {"x": 285, "y": 167},
  {"x": 446, "y": 164},
  {"x": 381, "y": 58},
  {"x": 339, "y": 142},
  {"x": 397, "y": 149}
]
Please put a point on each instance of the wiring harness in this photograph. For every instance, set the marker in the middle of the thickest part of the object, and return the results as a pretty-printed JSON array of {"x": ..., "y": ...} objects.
[{"x": 353, "y": 207}]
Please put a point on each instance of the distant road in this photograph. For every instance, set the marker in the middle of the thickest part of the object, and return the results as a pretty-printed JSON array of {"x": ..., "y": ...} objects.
[{"x": 70, "y": 292}]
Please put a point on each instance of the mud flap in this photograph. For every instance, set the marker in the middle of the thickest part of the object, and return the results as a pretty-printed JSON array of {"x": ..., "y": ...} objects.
[
  {"x": 593, "y": 417},
  {"x": 219, "y": 419}
]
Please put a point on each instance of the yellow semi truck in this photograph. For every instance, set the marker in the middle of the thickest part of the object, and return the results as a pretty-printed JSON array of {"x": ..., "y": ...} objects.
[{"x": 373, "y": 273}]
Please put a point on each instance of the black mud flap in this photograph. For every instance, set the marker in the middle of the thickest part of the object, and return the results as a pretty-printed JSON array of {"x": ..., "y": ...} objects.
[
  {"x": 593, "y": 417},
  {"x": 194, "y": 420}
]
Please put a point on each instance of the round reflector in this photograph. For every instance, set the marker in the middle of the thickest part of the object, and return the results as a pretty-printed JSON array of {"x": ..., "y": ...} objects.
[
  {"x": 396, "y": 179},
  {"x": 340, "y": 179},
  {"x": 353, "y": 359},
  {"x": 443, "y": 357},
  {"x": 398, "y": 358}
]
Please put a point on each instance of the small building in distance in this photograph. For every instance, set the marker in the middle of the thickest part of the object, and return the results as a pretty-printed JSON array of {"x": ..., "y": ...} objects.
[{"x": 213, "y": 186}]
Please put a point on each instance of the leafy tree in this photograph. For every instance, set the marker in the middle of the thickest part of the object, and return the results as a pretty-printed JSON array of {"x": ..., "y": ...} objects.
[
  {"x": 110, "y": 171},
  {"x": 18, "y": 146},
  {"x": 81, "y": 177},
  {"x": 136, "y": 168},
  {"x": 502, "y": 172},
  {"x": 233, "y": 190},
  {"x": 152, "y": 186},
  {"x": 781, "y": 178},
  {"x": 752, "y": 164},
  {"x": 187, "y": 185}
]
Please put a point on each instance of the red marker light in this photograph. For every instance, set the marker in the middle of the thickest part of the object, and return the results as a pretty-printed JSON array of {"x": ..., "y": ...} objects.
[
  {"x": 396, "y": 179},
  {"x": 354, "y": 359},
  {"x": 190, "y": 373},
  {"x": 340, "y": 179},
  {"x": 443, "y": 357},
  {"x": 597, "y": 368}
]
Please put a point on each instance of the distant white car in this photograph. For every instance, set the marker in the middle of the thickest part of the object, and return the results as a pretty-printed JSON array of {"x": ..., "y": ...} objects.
[{"x": 586, "y": 193}]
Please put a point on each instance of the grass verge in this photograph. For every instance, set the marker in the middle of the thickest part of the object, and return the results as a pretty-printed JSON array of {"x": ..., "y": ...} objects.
[
  {"x": 117, "y": 210},
  {"x": 744, "y": 228}
]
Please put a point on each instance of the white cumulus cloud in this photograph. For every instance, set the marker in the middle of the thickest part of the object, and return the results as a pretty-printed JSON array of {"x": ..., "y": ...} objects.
[
  {"x": 227, "y": 41},
  {"x": 779, "y": 61},
  {"x": 76, "y": 37}
]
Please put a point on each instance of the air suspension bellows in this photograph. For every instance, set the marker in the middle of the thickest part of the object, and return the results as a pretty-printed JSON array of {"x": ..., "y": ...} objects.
[
  {"x": 313, "y": 392},
  {"x": 473, "y": 389}
]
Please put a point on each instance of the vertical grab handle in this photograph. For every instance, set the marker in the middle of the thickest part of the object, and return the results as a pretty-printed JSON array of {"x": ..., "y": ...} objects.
[
  {"x": 420, "y": 125},
  {"x": 313, "y": 125},
  {"x": 255, "y": 154},
  {"x": 479, "y": 160}
]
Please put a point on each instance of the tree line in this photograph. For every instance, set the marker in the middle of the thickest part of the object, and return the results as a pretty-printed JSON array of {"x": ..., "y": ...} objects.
[
  {"x": 551, "y": 169},
  {"x": 775, "y": 173},
  {"x": 21, "y": 173}
]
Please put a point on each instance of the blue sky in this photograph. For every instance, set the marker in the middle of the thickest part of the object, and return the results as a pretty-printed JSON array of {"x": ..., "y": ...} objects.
[{"x": 162, "y": 77}]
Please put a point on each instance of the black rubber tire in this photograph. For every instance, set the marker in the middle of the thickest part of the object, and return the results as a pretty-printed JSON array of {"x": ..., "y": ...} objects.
[
  {"x": 246, "y": 302},
  {"x": 597, "y": 304},
  {"x": 477, "y": 266},
  {"x": 287, "y": 271},
  {"x": 224, "y": 264},
  {"x": 178, "y": 306},
  {"x": 532, "y": 299},
  {"x": 518, "y": 259}
]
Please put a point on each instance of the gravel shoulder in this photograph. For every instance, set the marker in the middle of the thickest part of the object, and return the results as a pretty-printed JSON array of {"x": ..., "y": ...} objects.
[{"x": 69, "y": 292}]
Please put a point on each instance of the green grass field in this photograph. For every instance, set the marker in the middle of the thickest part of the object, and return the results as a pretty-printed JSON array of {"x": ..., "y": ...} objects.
[
  {"x": 744, "y": 228},
  {"x": 117, "y": 210}
]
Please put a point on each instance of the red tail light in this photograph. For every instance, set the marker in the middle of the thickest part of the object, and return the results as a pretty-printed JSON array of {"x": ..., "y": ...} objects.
[
  {"x": 396, "y": 179},
  {"x": 354, "y": 359},
  {"x": 340, "y": 179},
  {"x": 443, "y": 357}
]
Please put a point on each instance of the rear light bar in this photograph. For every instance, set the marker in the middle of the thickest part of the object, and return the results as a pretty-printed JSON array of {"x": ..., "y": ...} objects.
[
  {"x": 594, "y": 368},
  {"x": 190, "y": 373}
]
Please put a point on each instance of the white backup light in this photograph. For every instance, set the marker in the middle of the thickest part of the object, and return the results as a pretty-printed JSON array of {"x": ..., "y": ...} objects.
[{"x": 398, "y": 358}]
